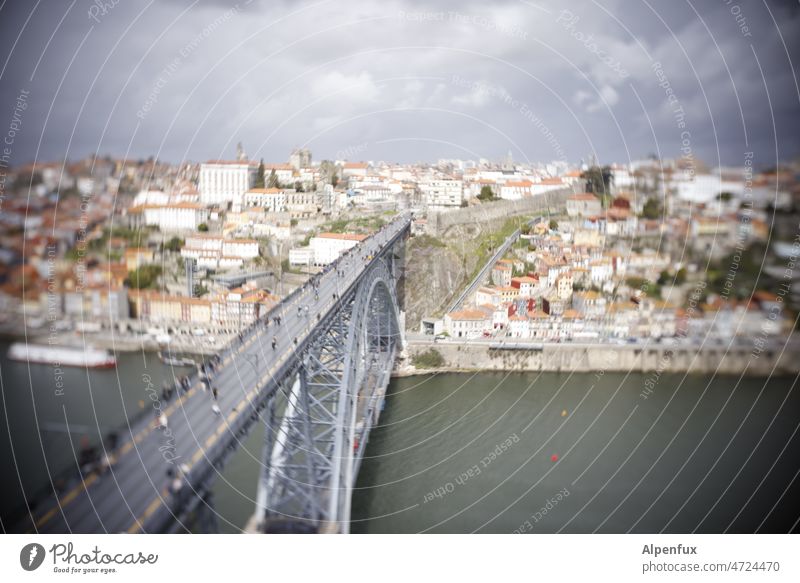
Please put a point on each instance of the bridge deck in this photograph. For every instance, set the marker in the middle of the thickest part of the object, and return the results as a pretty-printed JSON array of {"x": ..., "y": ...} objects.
[{"x": 133, "y": 494}]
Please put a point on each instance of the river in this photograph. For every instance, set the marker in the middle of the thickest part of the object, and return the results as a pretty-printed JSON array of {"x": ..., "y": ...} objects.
[{"x": 488, "y": 452}]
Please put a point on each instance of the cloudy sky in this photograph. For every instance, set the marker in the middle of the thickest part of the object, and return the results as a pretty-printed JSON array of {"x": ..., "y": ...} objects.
[{"x": 401, "y": 80}]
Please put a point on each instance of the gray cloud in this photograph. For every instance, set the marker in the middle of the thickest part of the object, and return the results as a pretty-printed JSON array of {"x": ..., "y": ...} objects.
[{"x": 401, "y": 79}]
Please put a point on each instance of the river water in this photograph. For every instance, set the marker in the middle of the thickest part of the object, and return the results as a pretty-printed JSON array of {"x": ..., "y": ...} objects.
[{"x": 488, "y": 452}]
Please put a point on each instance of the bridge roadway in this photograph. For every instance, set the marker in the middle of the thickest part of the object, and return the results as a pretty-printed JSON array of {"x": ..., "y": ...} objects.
[{"x": 134, "y": 494}]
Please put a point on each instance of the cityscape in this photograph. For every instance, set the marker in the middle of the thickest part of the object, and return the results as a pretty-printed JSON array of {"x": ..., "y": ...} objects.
[{"x": 307, "y": 269}]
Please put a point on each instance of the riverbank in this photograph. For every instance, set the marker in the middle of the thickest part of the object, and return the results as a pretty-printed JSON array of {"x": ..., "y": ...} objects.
[{"x": 776, "y": 360}]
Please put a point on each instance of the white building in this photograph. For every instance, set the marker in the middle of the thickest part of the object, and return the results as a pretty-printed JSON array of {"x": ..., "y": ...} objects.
[
  {"x": 224, "y": 182},
  {"x": 185, "y": 216},
  {"x": 301, "y": 256},
  {"x": 355, "y": 169},
  {"x": 210, "y": 251},
  {"x": 516, "y": 189},
  {"x": 467, "y": 323},
  {"x": 328, "y": 247},
  {"x": 284, "y": 173},
  {"x": 272, "y": 200},
  {"x": 583, "y": 205},
  {"x": 442, "y": 194}
]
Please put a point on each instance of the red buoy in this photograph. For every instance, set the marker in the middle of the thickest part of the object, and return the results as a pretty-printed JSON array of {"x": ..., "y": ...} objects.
[{"x": 554, "y": 458}]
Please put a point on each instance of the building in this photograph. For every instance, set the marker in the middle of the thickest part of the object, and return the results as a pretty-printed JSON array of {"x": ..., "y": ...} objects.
[
  {"x": 501, "y": 274},
  {"x": 442, "y": 194},
  {"x": 525, "y": 285},
  {"x": 238, "y": 308},
  {"x": 185, "y": 216},
  {"x": 564, "y": 285},
  {"x": 100, "y": 303},
  {"x": 516, "y": 189},
  {"x": 135, "y": 257},
  {"x": 213, "y": 252},
  {"x": 157, "y": 308},
  {"x": 466, "y": 323},
  {"x": 487, "y": 296},
  {"x": 301, "y": 204},
  {"x": 589, "y": 303},
  {"x": 583, "y": 205},
  {"x": 224, "y": 182},
  {"x": 327, "y": 247},
  {"x": 301, "y": 256},
  {"x": 354, "y": 169},
  {"x": 272, "y": 200},
  {"x": 284, "y": 173},
  {"x": 300, "y": 158}
]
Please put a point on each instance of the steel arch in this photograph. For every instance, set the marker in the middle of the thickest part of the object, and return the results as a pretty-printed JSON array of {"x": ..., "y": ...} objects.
[{"x": 318, "y": 423}]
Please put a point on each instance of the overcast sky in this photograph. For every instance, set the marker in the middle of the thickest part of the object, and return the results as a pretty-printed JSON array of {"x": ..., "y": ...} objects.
[{"x": 402, "y": 80}]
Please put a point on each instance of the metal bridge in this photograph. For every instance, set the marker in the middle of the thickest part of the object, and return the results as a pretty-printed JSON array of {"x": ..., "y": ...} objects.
[{"x": 318, "y": 390}]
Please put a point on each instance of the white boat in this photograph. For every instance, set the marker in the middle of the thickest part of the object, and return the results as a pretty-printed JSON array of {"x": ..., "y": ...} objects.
[
  {"x": 61, "y": 356},
  {"x": 175, "y": 361}
]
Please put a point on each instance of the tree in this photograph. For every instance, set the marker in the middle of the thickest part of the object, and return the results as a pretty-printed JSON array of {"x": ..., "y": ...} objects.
[
  {"x": 651, "y": 209},
  {"x": 680, "y": 276},
  {"x": 431, "y": 358},
  {"x": 298, "y": 186},
  {"x": 724, "y": 196},
  {"x": 598, "y": 181},
  {"x": 553, "y": 225},
  {"x": 202, "y": 227},
  {"x": 486, "y": 194},
  {"x": 328, "y": 172},
  {"x": 260, "y": 176},
  {"x": 273, "y": 180},
  {"x": 173, "y": 244},
  {"x": 144, "y": 277}
]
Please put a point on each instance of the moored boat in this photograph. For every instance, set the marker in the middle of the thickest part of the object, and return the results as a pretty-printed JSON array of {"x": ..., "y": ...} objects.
[
  {"x": 175, "y": 361},
  {"x": 61, "y": 356}
]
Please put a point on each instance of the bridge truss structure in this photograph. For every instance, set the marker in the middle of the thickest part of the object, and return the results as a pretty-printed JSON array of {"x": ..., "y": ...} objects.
[{"x": 318, "y": 421}]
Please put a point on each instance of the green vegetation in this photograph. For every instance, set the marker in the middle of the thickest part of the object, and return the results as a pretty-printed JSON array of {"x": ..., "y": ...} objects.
[
  {"x": 431, "y": 358},
  {"x": 487, "y": 194},
  {"x": 260, "y": 176},
  {"x": 490, "y": 242},
  {"x": 134, "y": 237},
  {"x": 739, "y": 272},
  {"x": 145, "y": 277},
  {"x": 286, "y": 267},
  {"x": 553, "y": 225},
  {"x": 724, "y": 196},
  {"x": 652, "y": 209},
  {"x": 202, "y": 227},
  {"x": 426, "y": 241},
  {"x": 173, "y": 244},
  {"x": 293, "y": 222},
  {"x": 339, "y": 226},
  {"x": 374, "y": 223},
  {"x": 328, "y": 172},
  {"x": 667, "y": 278},
  {"x": 648, "y": 288},
  {"x": 598, "y": 181},
  {"x": 272, "y": 182}
]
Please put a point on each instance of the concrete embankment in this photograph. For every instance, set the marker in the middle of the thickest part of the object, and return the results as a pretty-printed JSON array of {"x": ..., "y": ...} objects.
[{"x": 735, "y": 360}]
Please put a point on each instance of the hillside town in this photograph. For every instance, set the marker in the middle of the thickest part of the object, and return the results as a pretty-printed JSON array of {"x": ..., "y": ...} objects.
[{"x": 137, "y": 251}]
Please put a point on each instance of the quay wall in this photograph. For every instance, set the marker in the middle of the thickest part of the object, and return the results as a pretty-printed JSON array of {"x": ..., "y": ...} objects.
[{"x": 469, "y": 356}]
